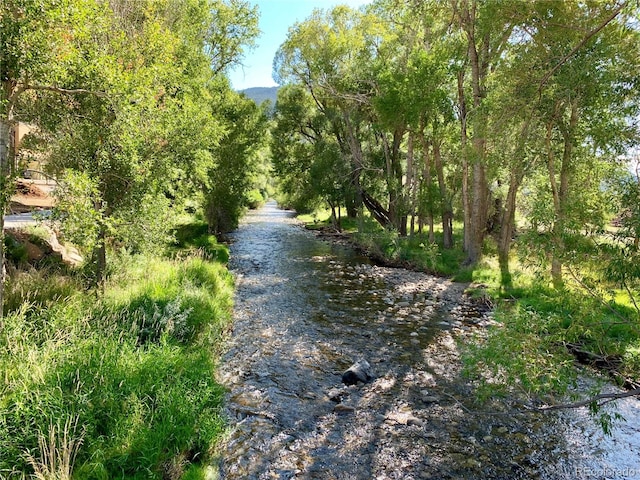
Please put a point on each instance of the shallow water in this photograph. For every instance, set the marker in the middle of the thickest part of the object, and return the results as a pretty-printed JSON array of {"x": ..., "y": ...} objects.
[{"x": 306, "y": 310}]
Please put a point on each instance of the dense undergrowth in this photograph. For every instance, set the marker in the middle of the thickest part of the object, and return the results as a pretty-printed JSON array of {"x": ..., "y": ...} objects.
[
  {"x": 117, "y": 385},
  {"x": 543, "y": 332}
]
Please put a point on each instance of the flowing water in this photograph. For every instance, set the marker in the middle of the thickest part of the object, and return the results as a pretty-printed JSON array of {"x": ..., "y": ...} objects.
[{"x": 306, "y": 310}]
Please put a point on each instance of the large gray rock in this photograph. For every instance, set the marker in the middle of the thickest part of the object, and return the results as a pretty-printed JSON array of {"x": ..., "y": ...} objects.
[{"x": 358, "y": 372}]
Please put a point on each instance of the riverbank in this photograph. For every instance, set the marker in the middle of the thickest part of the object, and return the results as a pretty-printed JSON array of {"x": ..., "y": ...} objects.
[{"x": 543, "y": 332}]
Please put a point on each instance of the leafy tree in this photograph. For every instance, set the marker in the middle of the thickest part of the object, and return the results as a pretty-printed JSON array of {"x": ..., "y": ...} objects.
[
  {"x": 235, "y": 159},
  {"x": 306, "y": 155},
  {"x": 584, "y": 105},
  {"x": 40, "y": 46},
  {"x": 328, "y": 54},
  {"x": 486, "y": 28},
  {"x": 297, "y": 127},
  {"x": 153, "y": 61},
  {"x": 100, "y": 137}
]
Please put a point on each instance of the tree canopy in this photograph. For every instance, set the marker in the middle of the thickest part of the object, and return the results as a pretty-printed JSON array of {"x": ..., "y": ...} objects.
[
  {"x": 462, "y": 109},
  {"x": 127, "y": 97}
]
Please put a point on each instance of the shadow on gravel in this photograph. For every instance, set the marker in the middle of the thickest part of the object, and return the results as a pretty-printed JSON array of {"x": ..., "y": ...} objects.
[{"x": 306, "y": 311}]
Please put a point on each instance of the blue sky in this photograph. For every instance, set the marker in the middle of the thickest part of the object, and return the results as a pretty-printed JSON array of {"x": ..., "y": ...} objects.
[{"x": 276, "y": 16}]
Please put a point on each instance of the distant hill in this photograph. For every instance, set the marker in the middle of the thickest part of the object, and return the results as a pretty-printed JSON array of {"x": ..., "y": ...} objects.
[{"x": 260, "y": 94}]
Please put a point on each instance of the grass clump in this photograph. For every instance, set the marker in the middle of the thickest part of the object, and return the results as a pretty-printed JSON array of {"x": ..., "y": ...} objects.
[
  {"x": 194, "y": 237},
  {"x": 119, "y": 385},
  {"x": 58, "y": 450},
  {"x": 416, "y": 251}
]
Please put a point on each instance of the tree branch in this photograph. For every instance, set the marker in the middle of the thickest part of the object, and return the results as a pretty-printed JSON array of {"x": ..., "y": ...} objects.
[
  {"x": 625, "y": 320},
  {"x": 64, "y": 91},
  {"x": 601, "y": 399},
  {"x": 586, "y": 38},
  {"x": 607, "y": 397}
]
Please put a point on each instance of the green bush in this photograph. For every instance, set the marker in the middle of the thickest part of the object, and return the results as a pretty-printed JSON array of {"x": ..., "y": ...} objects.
[
  {"x": 15, "y": 251},
  {"x": 254, "y": 199},
  {"x": 194, "y": 237}
]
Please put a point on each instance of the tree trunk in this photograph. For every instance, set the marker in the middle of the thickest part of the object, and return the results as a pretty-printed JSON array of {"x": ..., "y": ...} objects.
[
  {"x": 445, "y": 205},
  {"x": 353, "y": 207},
  {"x": 508, "y": 214},
  {"x": 478, "y": 207},
  {"x": 426, "y": 145},
  {"x": 3, "y": 268},
  {"x": 410, "y": 187},
  {"x": 479, "y": 187},
  {"x": 377, "y": 211},
  {"x": 507, "y": 225},
  {"x": 334, "y": 217},
  {"x": 99, "y": 259},
  {"x": 560, "y": 192},
  {"x": 479, "y": 55},
  {"x": 432, "y": 234},
  {"x": 466, "y": 204},
  {"x": 556, "y": 266},
  {"x": 6, "y": 158},
  {"x": 397, "y": 200}
]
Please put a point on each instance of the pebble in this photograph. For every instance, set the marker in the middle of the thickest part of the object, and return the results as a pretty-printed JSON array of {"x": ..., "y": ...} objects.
[
  {"x": 472, "y": 463},
  {"x": 431, "y": 399},
  {"x": 415, "y": 421}
]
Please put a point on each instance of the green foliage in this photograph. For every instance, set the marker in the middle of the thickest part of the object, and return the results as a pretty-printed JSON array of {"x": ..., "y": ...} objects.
[
  {"x": 195, "y": 237},
  {"x": 511, "y": 355},
  {"x": 254, "y": 199},
  {"x": 14, "y": 251},
  {"x": 79, "y": 209},
  {"x": 415, "y": 251},
  {"x": 236, "y": 161},
  {"x": 124, "y": 97},
  {"x": 135, "y": 369},
  {"x": 531, "y": 351}
]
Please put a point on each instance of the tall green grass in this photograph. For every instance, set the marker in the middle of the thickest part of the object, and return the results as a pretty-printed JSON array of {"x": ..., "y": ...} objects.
[
  {"x": 132, "y": 370},
  {"x": 416, "y": 251},
  {"x": 193, "y": 237}
]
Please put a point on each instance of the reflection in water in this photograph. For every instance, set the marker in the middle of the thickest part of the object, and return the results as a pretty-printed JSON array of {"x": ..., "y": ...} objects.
[{"x": 307, "y": 310}]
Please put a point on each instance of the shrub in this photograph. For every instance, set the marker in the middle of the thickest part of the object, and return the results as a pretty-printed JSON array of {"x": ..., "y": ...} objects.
[{"x": 254, "y": 199}]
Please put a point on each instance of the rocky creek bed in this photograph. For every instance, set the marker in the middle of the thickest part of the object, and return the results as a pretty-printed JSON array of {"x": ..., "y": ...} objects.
[{"x": 306, "y": 310}]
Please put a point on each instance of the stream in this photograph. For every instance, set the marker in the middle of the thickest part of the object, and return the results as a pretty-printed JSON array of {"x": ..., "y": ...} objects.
[{"x": 306, "y": 310}]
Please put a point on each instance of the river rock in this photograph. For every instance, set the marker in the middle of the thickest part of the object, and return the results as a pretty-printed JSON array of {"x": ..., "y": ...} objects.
[
  {"x": 430, "y": 399},
  {"x": 404, "y": 418},
  {"x": 342, "y": 408},
  {"x": 358, "y": 372},
  {"x": 415, "y": 421},
  {"x": 336, "y": 394}
]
